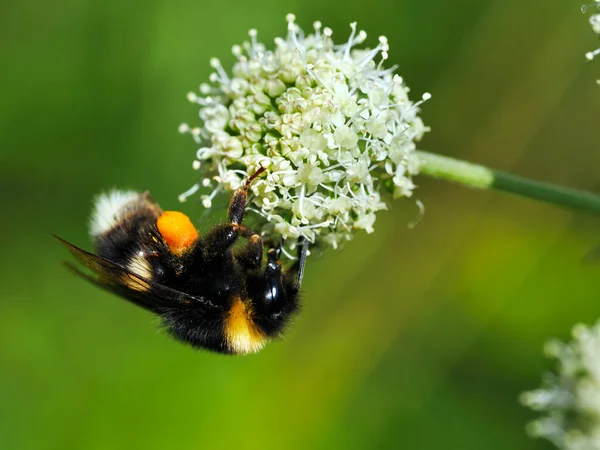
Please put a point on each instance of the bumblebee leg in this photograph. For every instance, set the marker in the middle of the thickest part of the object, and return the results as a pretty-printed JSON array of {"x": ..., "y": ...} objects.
[
  {"x": 218, "y": 240},
  {"x": 223, "y": 236},
  {"x": 237, "y": 206},
  {"x": 273, "y": 283},
  {"x": 299, "y": 266},
  {"x": 251, "y": 254}
]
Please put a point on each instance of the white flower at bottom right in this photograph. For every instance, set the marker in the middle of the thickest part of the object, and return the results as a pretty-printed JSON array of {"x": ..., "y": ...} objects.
[{"x": 569, "y": 400}]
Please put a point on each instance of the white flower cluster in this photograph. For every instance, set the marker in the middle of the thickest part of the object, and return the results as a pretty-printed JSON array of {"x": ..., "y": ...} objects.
[
  {"x": 595, "y": 23},
  {"x": 331, "y": 125},
  {"x": 570, "y": 399}
]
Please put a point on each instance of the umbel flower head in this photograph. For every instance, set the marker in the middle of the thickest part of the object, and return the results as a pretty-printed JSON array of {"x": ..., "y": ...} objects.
[
  {"x": 334, "y": 128},
  {"x": 570, "y": 399}
]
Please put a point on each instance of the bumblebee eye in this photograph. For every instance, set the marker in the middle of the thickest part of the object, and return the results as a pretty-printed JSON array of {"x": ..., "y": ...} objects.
[{"x": 178, "y": 231}]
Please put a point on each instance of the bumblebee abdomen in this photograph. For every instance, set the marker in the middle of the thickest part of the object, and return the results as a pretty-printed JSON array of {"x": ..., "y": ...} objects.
[
  {"x": 122, "y": 227},
  {"x": 125, "y": 210},
  {"x": 228, "y": 331},
  {"x": 198, "y": 328}
]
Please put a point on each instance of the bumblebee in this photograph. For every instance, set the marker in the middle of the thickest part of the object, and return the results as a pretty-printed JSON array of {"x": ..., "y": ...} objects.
[{"x": 207, "y": 292}]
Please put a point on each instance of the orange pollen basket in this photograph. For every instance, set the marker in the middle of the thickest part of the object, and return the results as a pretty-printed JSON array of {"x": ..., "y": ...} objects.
[{"x": 177, "y": 230}]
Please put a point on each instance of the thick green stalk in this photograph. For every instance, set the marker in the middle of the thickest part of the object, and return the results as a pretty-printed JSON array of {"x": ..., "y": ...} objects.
[{"x": 480, "y": 177}]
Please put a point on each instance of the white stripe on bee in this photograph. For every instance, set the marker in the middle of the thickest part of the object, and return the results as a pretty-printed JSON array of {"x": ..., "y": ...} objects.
[
  {"x": 140, "y": 266},
  {"x": 109, "y": 210}
]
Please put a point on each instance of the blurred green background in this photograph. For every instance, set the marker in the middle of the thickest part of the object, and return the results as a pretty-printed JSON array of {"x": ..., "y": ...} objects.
[{"x": 408, "y": 339}]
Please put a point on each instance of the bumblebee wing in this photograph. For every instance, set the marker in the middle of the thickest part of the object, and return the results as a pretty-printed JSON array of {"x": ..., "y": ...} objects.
[
  {"x": 122, "y": 282},
  {"x": 144, "y": 300}
]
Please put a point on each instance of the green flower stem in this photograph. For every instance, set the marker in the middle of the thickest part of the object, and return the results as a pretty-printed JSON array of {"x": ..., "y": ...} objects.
[{"x": 481, "y": 177}]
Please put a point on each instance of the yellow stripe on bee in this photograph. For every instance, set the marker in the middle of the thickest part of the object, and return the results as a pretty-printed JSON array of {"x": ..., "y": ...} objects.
[{"x": 243, "y": 335}]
